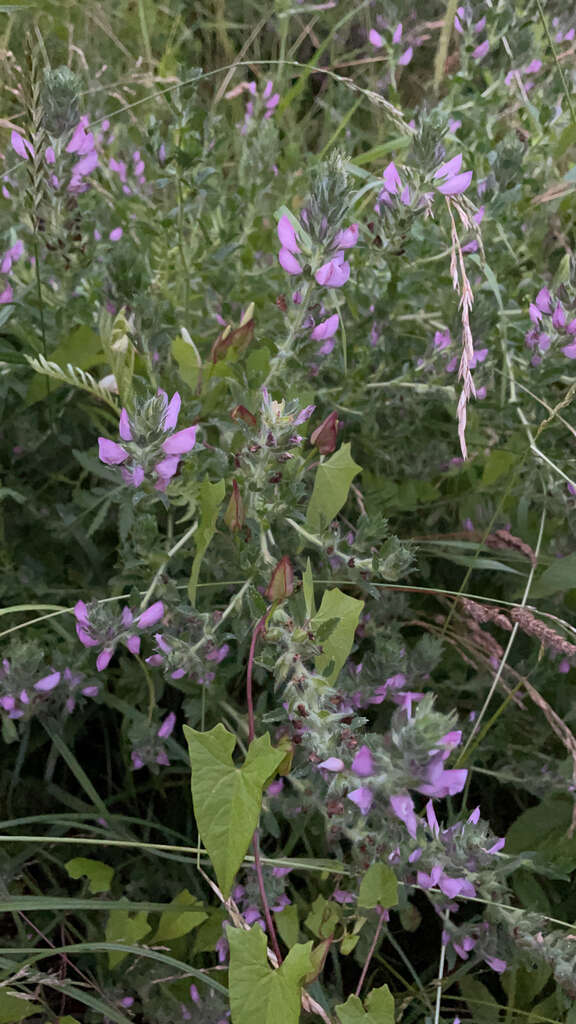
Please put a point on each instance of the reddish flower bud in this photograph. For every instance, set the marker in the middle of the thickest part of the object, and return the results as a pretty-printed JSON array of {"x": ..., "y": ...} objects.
[
  {"x": 281, "y": 582},
  {"x": 240, "y": 412},
  {"x": 235, "y": 515},
  {"x": 325, "y": 437}
]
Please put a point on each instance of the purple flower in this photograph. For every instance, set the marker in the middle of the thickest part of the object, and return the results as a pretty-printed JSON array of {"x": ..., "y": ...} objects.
[
  {"x": 115, "y": 235},
  {"x": 334, "y": 273},
  {"x": 402, "y": 807},
  {"x": 480, "y": 52},
  {"x": 406, "y": 57},
  {"x": 286, "y": 256},
  {"x": 82, "y": 142},
  {"x": 397, "y": 34},
  {"x": 167, "y": 726},
  {"x": 47, "y": 683},
  {"x": 181, "y": 442},
  {"x": 363, "y": 764},
  {"x": 363, "y": 798},
  {"x": 111, "y": 453},
  {"x": 21, "y": 146},
  {"x": 11, "y": 256},
  {"x": 326, "y": 329},
  {"x": 375, "y": 38},
  {"x": 347, "y": 238},
  {"x": 496, "y": 964},
  {"x": 332, "y": 764},
  {"x": 151, "y": 616},
  {"x": 454, "y": 182}
]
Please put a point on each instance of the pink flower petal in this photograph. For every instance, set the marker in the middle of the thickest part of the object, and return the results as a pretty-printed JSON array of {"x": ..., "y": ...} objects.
[
  {"x": 288, "y": 262},
  {"x": 180, "y": 442},
  {"x": 151, "y": 615},
  {"x": 47, "y": 683},
  {"x": 375, "y": 38},
  {"x": 333, "y": 274},
  {"x": 287, "y": 234},
  {"x": 111, "y": 453},
  {"x": 172, "y": 411},
  {"x": 456, "y": 185},
  {"x": 326, "y": 329},
  {"x": 124, "y": 426}
]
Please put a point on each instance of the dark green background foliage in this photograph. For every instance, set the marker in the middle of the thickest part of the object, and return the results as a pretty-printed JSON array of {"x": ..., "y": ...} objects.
[{"x": 303, "y": 572}]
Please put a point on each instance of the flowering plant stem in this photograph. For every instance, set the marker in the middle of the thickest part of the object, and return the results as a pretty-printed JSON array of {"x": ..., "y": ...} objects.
[
  {"x": 258, "y": 629},
  {"x": 371, "y": 952}
]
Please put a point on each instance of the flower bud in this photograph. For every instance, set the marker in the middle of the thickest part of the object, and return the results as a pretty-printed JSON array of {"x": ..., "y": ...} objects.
[
  {"x": 325, "y": 437},
  {"x": 235, "y": 515},
  {"x": 60, "y": 98},
  {"x": 240, "y": 412},
  {"x": 281, "y": 582}
]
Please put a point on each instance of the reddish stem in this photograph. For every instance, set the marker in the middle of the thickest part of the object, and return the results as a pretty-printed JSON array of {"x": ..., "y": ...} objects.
[
  {"x": 268, "y": 916},
  {"x": 379, "y": 926},
  {"x": 259, "y": 627},
  {"x": 249, "y": 695}
]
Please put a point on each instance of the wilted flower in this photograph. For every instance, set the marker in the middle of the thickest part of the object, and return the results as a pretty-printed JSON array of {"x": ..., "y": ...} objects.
[
  {"x": 281, "y": 583},
  {"x": 325, "y": 437}
]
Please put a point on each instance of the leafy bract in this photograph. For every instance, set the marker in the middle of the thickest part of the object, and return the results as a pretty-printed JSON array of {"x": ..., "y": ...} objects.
[
  {"x": 379, "y": 1008},
  {"x": 345, "y": 611},
  {"x": 258, "y": 993},
  {"x": 331, "y": 486},
  {"x": 227, "y": 799},
  {"x": 211, "y": 497},
  {"x": 379, "y": 887}
]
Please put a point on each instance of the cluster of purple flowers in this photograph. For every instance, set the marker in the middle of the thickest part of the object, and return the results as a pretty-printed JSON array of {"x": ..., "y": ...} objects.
[
  {"x": 552, "y": 323},
  {"x": 443, "y": 343},
  {"x": 135, "y": 168},
  {"x": 82, "y": 144},
  {"x": 97, "y": 626},
  {"x": 152, "y": 449},
  {"x": 332, "y": 273},
  {"x": 180, "y": 660},
  {"x": 267, "y": 103},
  {"x": 151, "y": 751},
  {"x": 464, "y": 24},
  {"x": 378, "y": 41},
  {"x": 11, "y": 256},
  {"x": 21, "y": 699}
]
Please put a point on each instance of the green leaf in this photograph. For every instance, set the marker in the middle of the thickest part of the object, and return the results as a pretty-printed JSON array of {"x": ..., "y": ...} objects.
[
  {"x": 308, "y": 589},
  {"x": 560, "y": 576},
  {"x": 211, "y": 497},
  {"x": 347, "y": 611},
  {"x": 227, "y": 799},
  {"x": 288, "y": 925},
  {"x": 545, "y": 829},
  {"x": 378, "y": 887},
  {"x": 323, "y": 917},
  {"x": 82, "y": 348},
  {"x": 174, "y": 926},
  {"x": 125, "y": 927},
  {"x": 257, "y": 991},
  {"x": 99, "y": 875},
  {"x": 331, "y": 486},
  {"x": 498, "y": 463},
  {"x": 379, "y": 1008},
  {"x": 14, "y": 1008},
  {"x": 483, "y": 1007},
  {"x": 187, "y": 358}
]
